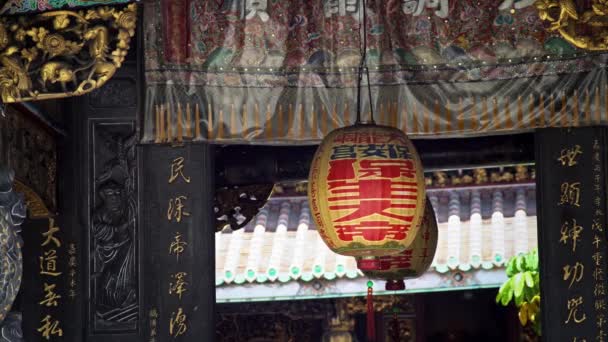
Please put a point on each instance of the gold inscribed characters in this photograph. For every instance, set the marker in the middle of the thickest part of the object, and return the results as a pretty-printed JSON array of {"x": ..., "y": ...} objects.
[
  {"x": 178, "y": 325},
  {"x": 568, "y": 155},
  {"x": 49, "y": 328},
  {"x": 176, "y": 209},
  {"x": 571, "y": 230},
  {"x": 178, "y": 286},
  {"x": 573, "y": 273},
  {"x": 49, "y": 234},
  {"x": 573, "y": 314},
  {"x": 50, "y": 297},
  {"x": 570, "y": 194},
  {"x": 177, "y": 246},
  {"x": 48, "y": 263},
  {"x": 177, "y": 170}
]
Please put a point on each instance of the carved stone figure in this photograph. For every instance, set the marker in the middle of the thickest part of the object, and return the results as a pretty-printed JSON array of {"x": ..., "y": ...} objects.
[{"x": 113, "y": 237}]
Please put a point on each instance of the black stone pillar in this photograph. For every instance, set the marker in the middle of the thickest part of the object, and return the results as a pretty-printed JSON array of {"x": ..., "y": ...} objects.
[
  {"x": 571, "y": 194},
  {"x": 178, "y": 242}
]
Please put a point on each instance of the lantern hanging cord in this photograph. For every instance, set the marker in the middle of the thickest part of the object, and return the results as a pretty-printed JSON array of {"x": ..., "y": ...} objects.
[{"x": 363, "y": 65}]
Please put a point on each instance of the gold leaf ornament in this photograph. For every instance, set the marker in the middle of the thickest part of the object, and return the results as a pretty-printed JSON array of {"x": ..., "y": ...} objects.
[
  {"x": 61, "y": 22},
  {"x": 54, "y": 44},
  {"x": 127, "y": 19},
  {"x": 3, "y": 36},
  {"x": 59, "y": 54}
]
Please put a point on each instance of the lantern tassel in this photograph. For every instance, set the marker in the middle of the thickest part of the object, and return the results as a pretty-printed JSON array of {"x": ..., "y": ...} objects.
[
  {"x": 395, "y": 324},
  {"x": 371, "y": 317}
]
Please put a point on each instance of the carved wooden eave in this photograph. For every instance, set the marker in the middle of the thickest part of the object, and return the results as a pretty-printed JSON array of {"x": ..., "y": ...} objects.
[
  {"x": 586, "y": 28},
  {"x": 63, "y": 53}
]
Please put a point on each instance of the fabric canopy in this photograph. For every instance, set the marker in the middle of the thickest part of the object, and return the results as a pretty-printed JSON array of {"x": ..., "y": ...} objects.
[
  {"x": 286, "y": 71},
  {"x": 27, "y": 6}
]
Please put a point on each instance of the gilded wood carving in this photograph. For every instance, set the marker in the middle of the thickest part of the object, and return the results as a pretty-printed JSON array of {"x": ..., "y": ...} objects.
[
  {"x": 62, "y": 53},
  {"x": 584, "y": 28}
]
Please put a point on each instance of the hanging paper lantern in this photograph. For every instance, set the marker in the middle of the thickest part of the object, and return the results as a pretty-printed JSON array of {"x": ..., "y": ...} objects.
[
  {"x": 415, "y": 260},
  {"x": 366, "y": 192}
]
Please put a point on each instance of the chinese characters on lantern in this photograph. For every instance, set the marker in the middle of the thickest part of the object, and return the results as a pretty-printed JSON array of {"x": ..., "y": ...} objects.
[
  {"x": 50, "y": 327},
  {"x": 598, "y": 263},
  {"x": 371, "y": 179},
  {"x": 177, "y": 212}
]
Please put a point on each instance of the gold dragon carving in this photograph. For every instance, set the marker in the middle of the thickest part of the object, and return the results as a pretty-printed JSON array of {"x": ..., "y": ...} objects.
[
  {"x": 584, "y": 28},
  {"x": 62, "y": 53}
]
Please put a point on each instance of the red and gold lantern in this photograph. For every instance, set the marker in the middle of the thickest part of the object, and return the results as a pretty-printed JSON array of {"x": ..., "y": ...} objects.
[
  {"x": 366, "y": 192},
  {"x": 415, "y": 260}
]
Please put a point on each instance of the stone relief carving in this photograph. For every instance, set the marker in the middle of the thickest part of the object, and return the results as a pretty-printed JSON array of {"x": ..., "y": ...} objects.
[
  {"x": 11, "y": 328},
  {"x": 113, "y": 236},
  {"x": 12, "y": 215}
]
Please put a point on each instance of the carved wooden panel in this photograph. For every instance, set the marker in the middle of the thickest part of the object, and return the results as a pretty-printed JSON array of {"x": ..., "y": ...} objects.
[
  {"x": 113, "y": 228},
  {"x": 120, "y": 92},
  {"x": 29, "y": 149}
]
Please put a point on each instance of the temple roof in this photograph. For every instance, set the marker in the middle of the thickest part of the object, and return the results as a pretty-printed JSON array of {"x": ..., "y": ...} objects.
[{"x": 480, "y": 228}]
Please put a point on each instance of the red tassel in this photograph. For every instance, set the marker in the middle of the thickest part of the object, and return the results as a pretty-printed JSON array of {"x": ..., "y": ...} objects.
[{"x": 371, "y": 315}]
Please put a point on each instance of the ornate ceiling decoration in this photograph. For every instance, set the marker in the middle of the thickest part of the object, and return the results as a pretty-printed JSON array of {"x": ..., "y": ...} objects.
[
  {"x": 62, "y": 53},
  {"x": 584, "y": 28}
]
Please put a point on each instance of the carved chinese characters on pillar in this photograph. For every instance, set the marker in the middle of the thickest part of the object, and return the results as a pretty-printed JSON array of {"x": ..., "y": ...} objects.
[
  {"x": 598, "y": 263},
  {"x": 113, "y": 237},
  {"x": 177, "y": 214},
  {"x": 573, "y": 247},
  {"x": 72, "y": 271},
  {"x": 571, "y": 234},
  {"x": 50, "y": 271}
]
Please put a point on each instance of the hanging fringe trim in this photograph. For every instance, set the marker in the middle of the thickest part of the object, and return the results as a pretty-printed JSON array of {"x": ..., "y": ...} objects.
[{"x": 261, "y": 122}]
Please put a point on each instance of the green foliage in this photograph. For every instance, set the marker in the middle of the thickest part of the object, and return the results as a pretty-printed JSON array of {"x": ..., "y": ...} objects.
[{"x": 523, "y": 287}]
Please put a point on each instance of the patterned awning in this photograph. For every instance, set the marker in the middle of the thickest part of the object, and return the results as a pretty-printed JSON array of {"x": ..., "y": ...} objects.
[{"x": 480, "y": 228}]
